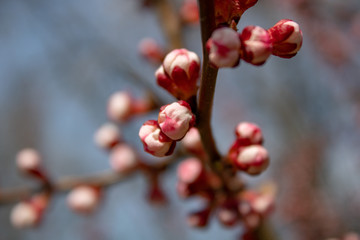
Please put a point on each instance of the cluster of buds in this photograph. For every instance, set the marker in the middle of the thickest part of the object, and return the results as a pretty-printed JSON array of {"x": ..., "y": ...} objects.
[
  {"x": 247, "y": 152},
  {"x": 174, "y": 121},
  {"x": 179, "y": 73},
  {"x": 248, "y": 207},
  {"x": 122, "y": 156},
  {"x": 122, "y": 106},
  {"x": 254, "y": 44}
]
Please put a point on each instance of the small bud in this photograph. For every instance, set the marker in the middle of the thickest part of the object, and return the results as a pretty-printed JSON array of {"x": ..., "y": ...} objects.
[
  {"x": 248, "y": 133},
  {"x": 155, "y": 142},
  {"x": 256, "y": 46},
  {"x": 200, "y": 218},
  {"x": 29, "y": 213},
  {"x": 180, "y": 73},
  {"x": 192, "y": 142},
  {"x": 156, "y": 194},
  {"x": 176, "y": 119},
  {"x": 24, "y": 215},
  {"x": 150, "y": 50},
  {"x": 228, "y": 213},
  {"x": 189, "y": 11},
  {"x": 123, "y": 158},
  {"x": 28, "y": 160},
  {"x": 107, "y": 136},
  {"x": 84, "y": 199},
  {"x": 286, "y": 38},
  {"x": 119, "y": 106},
  {"x": 253, "y": 159},
  {"x": 224, "y": 46},
  {"x": 191, "y": 171}
]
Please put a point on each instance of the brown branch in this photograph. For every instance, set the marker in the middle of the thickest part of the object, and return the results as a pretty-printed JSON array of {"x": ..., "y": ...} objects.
[{"x": 208, "y": 82}]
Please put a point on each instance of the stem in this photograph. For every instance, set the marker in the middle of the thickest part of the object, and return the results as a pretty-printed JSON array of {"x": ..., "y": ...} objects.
[{"x": 208, "y": 82}]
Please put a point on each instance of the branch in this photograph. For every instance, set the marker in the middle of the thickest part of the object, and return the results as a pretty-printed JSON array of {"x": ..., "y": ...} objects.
[{"x": 208, "y": 82}]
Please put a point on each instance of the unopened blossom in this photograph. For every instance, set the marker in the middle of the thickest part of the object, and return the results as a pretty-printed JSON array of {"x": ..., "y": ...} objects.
[
  {"x": 248, "y": 133},
  {"x": 154, "y": 140},
  {"x": 151, "y": 50},
  {"x": 123, "y": 158},
  {"x": 176, "y": 119},
  {"x": 192, "y": 142},
  {"x": 189, "y": 11},
  {"x": 199, "y": 218},
  {"x": 256, "y": 45},
  {"x": 28, "y": 160},
  {"x": 228, "y": 213},
  {"x": 84, "y": 199},
  {"x": 191, "y": 171},
  {"x": 119, "y": 106},
  {"x": 253, "y": 159},
  {"x": 286, "y": 38},
  {"x": 227, "y": 11},
  {"x": 224, "y": 46},
  {"x": 29, "y": 213},
  {"x": 107, "y": 136},
  {"x": 179, "y": 73}
]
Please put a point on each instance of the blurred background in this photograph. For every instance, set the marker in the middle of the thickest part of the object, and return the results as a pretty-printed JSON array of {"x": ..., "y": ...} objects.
[{"x": 61, "y": 60}]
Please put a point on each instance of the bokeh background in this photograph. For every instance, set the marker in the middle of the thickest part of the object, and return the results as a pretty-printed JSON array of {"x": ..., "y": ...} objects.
[{"x": 61, "y": 60}]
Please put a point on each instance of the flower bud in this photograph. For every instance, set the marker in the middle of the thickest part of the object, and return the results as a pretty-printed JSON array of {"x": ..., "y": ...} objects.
[
  {"x": 224, "y": 46},
  {"x": 107, "y": 136},
  {"x": 176, "y": 119},
  {"x": 119, "y": 106},
  {"x": 29, "y": 213},
  {"x": 24, "y": 215},
  {"x": 253, "y": 159},
  {"x": 189, "y": 11},
  {"x": 228, "y": 213},
  {"x": 200, "y": 218},
  {"x": 155, "y": 142},
  {"x": 248, "y": 133},
  {"x": 256, "y": 46},
  {"x": 179, "y": 73},
  {"x": 84, "y": 199},
  {"x": 123, "y": 158},
  {"x": 192, "y": 142},
  {"x": 227, "y": 11},
  {"x": 150, "y": 50},
  {"x": 286, "y": 38},
  {"x": 28, "y": 160},
  {"x": 191, "y": 171}
]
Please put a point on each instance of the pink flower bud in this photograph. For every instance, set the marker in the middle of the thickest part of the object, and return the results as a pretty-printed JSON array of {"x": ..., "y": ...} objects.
[
  {"x": 253, "y": 159},
  {"x": 119, "y": 106},
  {"x": 107, "y": 136},
  {"x": 176, "y": 119},
  {"x": 150, "y": 50},
  {"x": 180, "y": 73},
  {"x": 191, "y": 171},
  {"x": 227, "y": 11},
  {"x": 29, "y": 213},
  {"x": 200, "y": 218},
  {"x": 189, "y": 11},
  {"x": 123, "y": 158},
  {"x": 24, "y": 215},
  {"x": 228, "y": 213},
  {"x": 28, "y": 160},
  {"x": 84, "y": 199},
  {"x": 155, "y": 142},
  {"x": 256, "y": 45},
  {"x": 224, "y": 46},
  {"x": 286, "y": 38},
  {"x": 192, "y": 142},
  {"x": 248, "y": 133}
]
